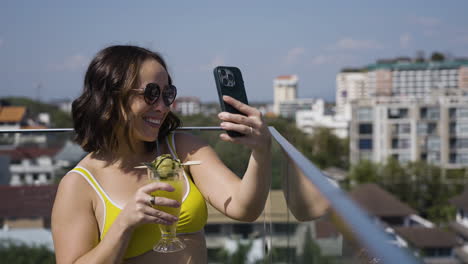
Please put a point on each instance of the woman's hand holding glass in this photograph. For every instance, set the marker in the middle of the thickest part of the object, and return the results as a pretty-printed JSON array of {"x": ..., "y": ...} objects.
[
  {"x": 140, "y": 210},
  {"x": 169, "y": 242}
]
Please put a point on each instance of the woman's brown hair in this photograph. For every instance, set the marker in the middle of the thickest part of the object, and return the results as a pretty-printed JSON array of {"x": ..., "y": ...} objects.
[{"x": 102, "y": 109}]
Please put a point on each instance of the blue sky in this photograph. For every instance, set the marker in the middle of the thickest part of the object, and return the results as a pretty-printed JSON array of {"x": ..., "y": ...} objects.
[{"x": 48, "y": 44}]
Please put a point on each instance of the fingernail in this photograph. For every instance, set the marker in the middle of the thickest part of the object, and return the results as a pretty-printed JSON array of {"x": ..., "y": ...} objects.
[
  {"x": 222, "y": 115},
  {"x": 223, "y": 124}
]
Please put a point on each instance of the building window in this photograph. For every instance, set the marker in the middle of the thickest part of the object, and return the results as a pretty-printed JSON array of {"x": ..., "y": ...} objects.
[
  {"x": 365, "y": 129},
  {"x": 404, "y": 128},
  {"x": 431, "y": 113},
  {"x": 365, "y": 143},
  {"x": 433, "y": 143},
  {"x": 459, "y": 158},
  {"x": 458, "y": 113},
  {"x": 284, "y": 228},
  {"x": 400, "y": 143},
  {"x": 458, "y": 128},
  {"x": 213, "y": 229},
  {"x": 364, "y": 114},
  {"x": 395, "y": 113},
  {"x": 243, "y": 229}
]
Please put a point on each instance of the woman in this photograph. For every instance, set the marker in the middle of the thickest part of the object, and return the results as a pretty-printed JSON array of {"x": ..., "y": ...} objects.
[{"x": 103, "y": 209}]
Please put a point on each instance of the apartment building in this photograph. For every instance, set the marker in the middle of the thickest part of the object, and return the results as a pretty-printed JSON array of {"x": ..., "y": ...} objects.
[
  {"x": 284, "y": 89},
  {"x": 351, "y": 84},
  {"x": 432, "y": 129},
  {"x": 318, "y": 116},
  {"x": 411, "y": 111},
  {"x": 188, "y": 105}
]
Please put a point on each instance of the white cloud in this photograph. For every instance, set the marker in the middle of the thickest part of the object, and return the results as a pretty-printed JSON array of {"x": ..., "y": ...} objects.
[
  {"x": 426, "y": 21},
  {"x": 405, "y": 40},
  {"x": 293, "y": 55},
  {"x": 72, "y": 63},
  {"x": 355, "y": 44},
  {"x": 216, "y": 61}
]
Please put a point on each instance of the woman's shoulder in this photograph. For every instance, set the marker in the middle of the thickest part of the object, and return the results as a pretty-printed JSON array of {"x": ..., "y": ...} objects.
[
  {"x": 187, "y": 144},
  {"x": 74, "y": 181}
]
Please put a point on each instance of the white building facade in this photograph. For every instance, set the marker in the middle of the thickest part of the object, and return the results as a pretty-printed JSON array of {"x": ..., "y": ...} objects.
[
  {"x": 350, "y": 85},
  {"x": 309, "y": 120},
  {"x": 412, "y": 111},
  {"x": 284, "y": 89},
  {"x": 187, "y": 105}
]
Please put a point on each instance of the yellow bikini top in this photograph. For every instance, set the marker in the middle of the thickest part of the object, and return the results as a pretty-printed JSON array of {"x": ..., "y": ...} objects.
[{"x": 193, "y": 213}]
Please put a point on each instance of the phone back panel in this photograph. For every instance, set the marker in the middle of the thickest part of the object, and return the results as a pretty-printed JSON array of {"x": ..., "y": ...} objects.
[
  {"x": 234, "y": 89},
  {"x": 229, "y": 82}
]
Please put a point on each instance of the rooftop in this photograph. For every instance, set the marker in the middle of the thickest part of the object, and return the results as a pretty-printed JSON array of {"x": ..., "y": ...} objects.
[
  {"x": 461, "y": 201},
  {"x": 423, "y": 237},
  {"x": 12, "y": 113},
  {"x": 21, "y": 153},
  {"x": 404, "y": 65},
  {"x": 379, "y": 202},
  {"x": 26, "y": 201}
]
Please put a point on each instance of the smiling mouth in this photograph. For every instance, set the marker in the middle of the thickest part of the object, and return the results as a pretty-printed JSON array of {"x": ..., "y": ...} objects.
[{"x": 152, "y": 121}]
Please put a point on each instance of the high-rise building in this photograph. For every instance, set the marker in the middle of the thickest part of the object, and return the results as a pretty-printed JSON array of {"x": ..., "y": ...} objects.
[
  {"x": 433, "y": 129},
  {"x": 350, "y": 85},
  {"x": 412, "y": 111},
  {"x": 284, "y": 89}
]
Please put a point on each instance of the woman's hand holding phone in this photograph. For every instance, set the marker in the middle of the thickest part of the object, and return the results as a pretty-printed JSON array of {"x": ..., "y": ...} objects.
[{"x": 250, "y": 123}]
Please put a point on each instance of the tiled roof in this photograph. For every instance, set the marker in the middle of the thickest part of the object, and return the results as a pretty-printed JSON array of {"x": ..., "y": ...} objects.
[
  {"x": 379, "y": 202},
  {"x": 461, "y": 201},
  {"x": 460, "y": 229},
  {"x": 12, "y": 113},
  {"x": 28, "y": 152},
  {"x": 423, "y": 237},
  {"x": 26, "y": 201}
]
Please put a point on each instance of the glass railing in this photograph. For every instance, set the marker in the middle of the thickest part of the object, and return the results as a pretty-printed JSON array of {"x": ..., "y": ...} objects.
[{"x": 295, "y": 226}]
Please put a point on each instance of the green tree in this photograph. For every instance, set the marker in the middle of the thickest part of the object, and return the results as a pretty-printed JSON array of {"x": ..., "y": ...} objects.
[
  {"x": 328, "y": 150},
  {"x": 13, "y": 252},
  {"x": 364, "y": 172},
  {"x": 396, "y": 179},
  {"x": 437, "y": 56}
]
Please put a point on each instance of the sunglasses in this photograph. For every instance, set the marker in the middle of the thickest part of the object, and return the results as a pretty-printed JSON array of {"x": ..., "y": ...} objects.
[{"x": 152, "y": 93}]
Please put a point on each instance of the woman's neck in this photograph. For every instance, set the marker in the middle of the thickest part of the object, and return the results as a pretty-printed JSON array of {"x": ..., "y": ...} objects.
[{"x": 126, "y": 157}]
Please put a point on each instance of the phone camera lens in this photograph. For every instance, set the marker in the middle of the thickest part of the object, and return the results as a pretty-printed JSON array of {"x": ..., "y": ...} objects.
[
  {"x": 230, "y": 77},
  {"x": 225, "y": 81},
  {"x": 223, "y": 72}
]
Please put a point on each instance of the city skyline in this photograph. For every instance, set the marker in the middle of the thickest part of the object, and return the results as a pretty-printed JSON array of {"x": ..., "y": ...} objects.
[{"x": 45, "y": 47}]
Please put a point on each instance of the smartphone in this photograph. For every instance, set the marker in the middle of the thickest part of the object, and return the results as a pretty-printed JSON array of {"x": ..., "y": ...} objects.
[{"x": 229, "y": 82}]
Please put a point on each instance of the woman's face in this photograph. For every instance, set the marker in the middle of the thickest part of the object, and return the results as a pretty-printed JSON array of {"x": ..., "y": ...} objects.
[{"x": 149, "y": 118}]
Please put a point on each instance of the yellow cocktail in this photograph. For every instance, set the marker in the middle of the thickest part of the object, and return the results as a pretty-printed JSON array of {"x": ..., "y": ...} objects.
[
  {"x": 177, "y": 195},
  {"x": 165, "y": 169}
]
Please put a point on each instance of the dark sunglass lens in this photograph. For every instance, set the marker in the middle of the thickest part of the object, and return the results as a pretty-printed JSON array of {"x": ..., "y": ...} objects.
[
  {"x": 152, "y": 91},
  {"x": 169, "y": 94}
]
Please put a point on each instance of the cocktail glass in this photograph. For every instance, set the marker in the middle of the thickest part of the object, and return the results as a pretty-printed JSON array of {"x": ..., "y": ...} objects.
[{"x": 169, "y": 241}]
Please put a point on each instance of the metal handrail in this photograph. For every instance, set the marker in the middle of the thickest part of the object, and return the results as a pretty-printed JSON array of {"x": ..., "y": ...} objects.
[
  {"x": 54, "y": 130},
  {"x": 367, "y": 232},
  {"x": 371, "y": 236}
]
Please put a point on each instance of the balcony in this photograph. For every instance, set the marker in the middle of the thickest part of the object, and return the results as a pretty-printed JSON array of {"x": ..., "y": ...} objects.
[{"x": 286, "y": 232}]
